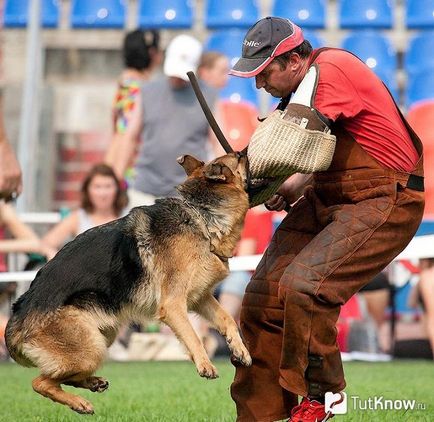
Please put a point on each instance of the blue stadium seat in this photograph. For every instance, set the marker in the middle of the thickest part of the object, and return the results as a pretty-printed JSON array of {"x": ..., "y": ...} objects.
[
  {"x": 97, "y": 14},
  {"x": 240, "y": 90},
  {"x": 373, "y": 48},
  {"x": 231, "y": 13},
  {"x": 420, "y": 14},
  {"x": 315, "y": 40},
  {"x": 307, "y": 13},
  {"x": 378, "y": 53},
  {"x": 228, "y": 42},
  {"x": 365, "y": 14},
  {"x": 417, "y": 56},
  {"x": 426, "y": 227},
  {"x": 421, "y": 86},
  {"x": 170, "y": 14},
  {"x": 16, "y": 13}
]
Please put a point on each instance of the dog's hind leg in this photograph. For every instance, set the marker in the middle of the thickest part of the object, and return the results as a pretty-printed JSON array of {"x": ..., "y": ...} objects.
[
  {"x": 50, "y": 388},
  {"x": 68, "y": 349},
  {"x": 95, "y": 384},
  {"x": 211, "y": 310},
  {"x": 173, "y": 312}
]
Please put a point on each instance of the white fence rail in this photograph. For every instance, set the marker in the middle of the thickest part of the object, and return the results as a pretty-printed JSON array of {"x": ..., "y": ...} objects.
[
  {"x": 420, "y": 247},
  {"x": 40, "y": 217}
]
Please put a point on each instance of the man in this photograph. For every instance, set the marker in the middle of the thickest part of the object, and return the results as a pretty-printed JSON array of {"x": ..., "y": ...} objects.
[
  {"x": 169, "y": 119},
  {"x": 10, "y": 171},
  {"x": 345, "y": 224}
]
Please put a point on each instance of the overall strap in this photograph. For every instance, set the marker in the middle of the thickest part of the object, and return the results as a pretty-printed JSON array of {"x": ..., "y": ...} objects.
[{"x": 318, "y": 52}]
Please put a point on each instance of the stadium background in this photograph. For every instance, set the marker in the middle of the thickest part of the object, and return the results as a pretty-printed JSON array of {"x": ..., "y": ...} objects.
[{"x": 79, "y": 56}]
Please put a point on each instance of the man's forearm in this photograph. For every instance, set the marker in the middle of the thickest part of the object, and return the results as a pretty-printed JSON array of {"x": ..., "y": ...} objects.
[{"x": 20, "y": 245}]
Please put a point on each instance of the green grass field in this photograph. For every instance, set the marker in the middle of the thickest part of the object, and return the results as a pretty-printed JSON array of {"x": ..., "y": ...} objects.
[{"x": 172, "y": 391}]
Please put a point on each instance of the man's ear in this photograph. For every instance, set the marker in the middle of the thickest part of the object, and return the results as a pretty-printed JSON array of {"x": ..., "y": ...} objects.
[
  {"x": 294, "y": 61},
  {"x": 189, "y": 163},
  {"x": 219, "y": 173}
]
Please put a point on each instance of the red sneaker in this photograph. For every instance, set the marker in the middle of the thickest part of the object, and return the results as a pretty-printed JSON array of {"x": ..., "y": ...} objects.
[{"x": 310, "y": 411}]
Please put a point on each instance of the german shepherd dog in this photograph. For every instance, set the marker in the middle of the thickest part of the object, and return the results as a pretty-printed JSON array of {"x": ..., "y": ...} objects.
[{"x": 158, "y": 261}]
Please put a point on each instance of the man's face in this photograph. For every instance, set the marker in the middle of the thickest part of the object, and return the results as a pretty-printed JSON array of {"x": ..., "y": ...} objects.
[{"x": 281, "y": 82}]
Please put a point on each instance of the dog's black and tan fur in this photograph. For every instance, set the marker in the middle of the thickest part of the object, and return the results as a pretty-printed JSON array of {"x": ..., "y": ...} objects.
[{"x": 158, "y": 261}]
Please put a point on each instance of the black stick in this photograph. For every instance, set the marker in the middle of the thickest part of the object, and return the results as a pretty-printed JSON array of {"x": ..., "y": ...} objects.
[{"x": 206, "y": 110}]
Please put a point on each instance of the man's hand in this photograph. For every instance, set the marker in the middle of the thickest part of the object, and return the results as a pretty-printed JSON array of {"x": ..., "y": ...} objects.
[
  {"x": 289, "y": 192},
  {"x": 10, "y": 172},
  {"x": 276, "y": 203}
]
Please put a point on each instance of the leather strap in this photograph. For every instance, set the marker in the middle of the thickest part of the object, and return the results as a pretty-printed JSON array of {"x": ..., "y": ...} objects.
[{"x": 416, "y": 183}]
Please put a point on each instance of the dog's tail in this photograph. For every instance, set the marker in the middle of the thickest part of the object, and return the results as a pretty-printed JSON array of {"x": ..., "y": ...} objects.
[{"x": 14, "y": 338}]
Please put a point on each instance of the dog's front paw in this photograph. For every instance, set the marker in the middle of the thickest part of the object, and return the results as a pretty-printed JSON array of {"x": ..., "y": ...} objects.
[
  {"x": 236, "y": 346},
  {"x": 239, "y": 351},
  {"x": 207, "y": 370},
  {"x": 242, "y": 355},
  {"x": 80, "y": 405}
]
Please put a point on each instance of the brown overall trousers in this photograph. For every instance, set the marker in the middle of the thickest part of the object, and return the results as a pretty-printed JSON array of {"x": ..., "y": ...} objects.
[{"x": 348, "y": 226}]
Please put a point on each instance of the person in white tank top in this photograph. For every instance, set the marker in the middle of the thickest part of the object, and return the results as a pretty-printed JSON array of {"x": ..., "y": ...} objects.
[{"x": 102, "y": 201}]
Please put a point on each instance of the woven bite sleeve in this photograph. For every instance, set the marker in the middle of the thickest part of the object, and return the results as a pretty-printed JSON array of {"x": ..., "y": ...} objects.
[{"x": 280, "y": 148}]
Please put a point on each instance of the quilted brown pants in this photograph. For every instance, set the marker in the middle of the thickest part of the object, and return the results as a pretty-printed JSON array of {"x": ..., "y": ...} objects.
[{"x": 345, "y": 230}]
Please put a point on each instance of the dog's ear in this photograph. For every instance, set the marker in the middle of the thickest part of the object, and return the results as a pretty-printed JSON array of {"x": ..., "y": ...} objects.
[
  {"x": 189, "y": 163},
  {"x": 219, "y": 173}
]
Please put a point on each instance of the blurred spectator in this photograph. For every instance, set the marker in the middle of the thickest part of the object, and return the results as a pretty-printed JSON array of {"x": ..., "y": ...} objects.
[
  {"x": 377, "y": 297},
  {"x": 214, "y": 69},
  {"x": 171, "y": 123},
  {"x": 423, "y": 294},
  {"x": 10, "y": 171},
  {"x": 366, "y": 332},
  {"x": 102, "y": 201},
  {"x": 23, "y": 239},
  {"x": 141, "y": 57}
]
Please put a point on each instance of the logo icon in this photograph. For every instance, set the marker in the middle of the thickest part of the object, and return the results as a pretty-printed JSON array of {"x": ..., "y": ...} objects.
[{"x": 336, "y": 403}]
